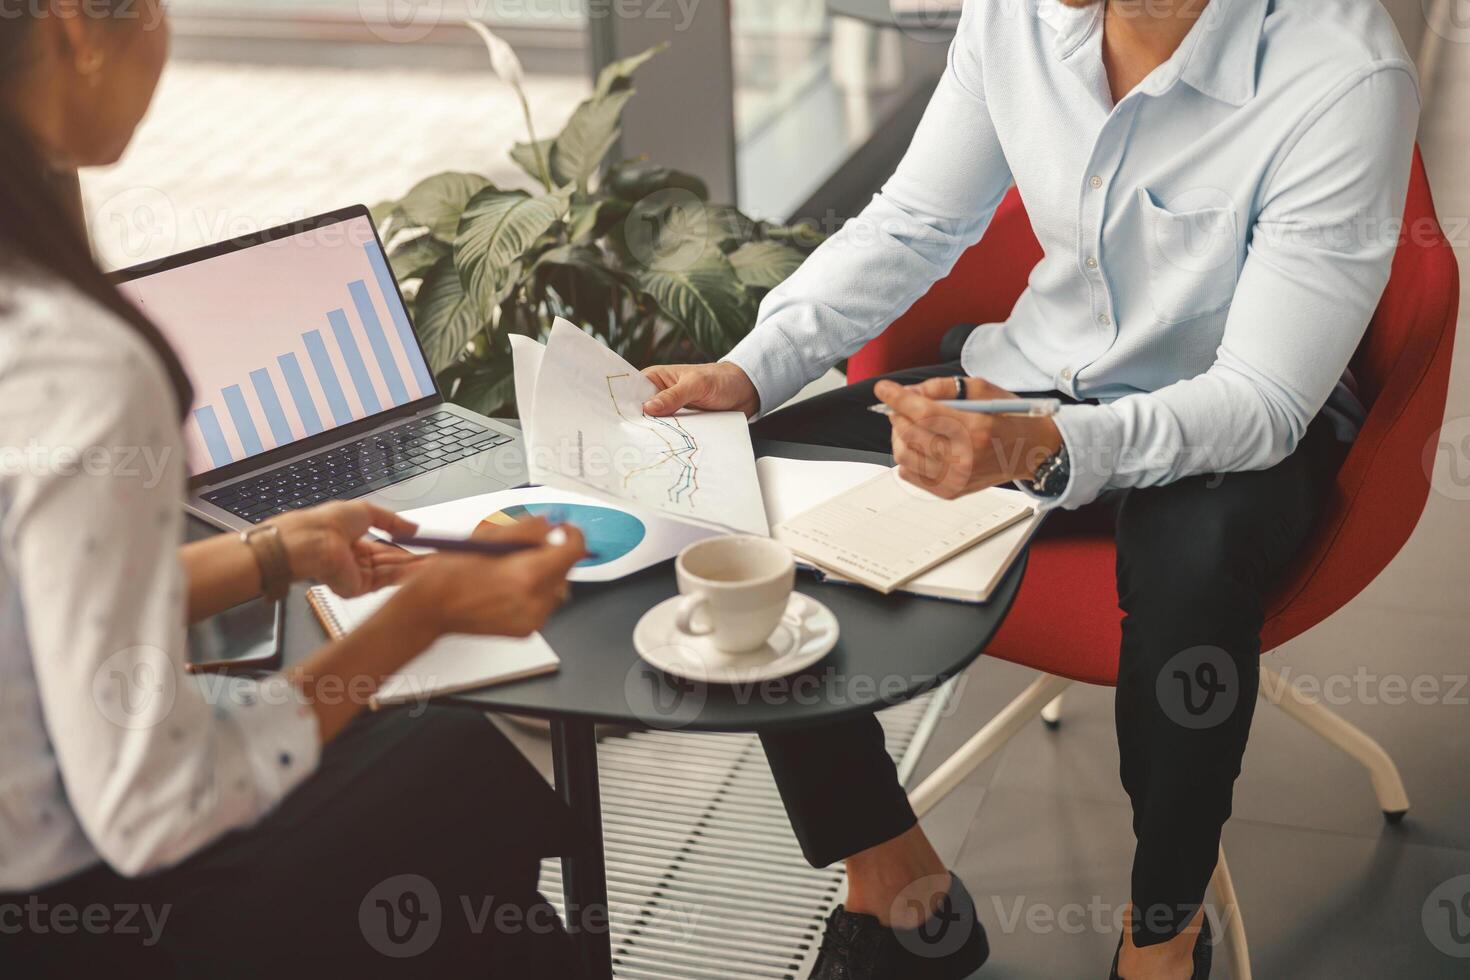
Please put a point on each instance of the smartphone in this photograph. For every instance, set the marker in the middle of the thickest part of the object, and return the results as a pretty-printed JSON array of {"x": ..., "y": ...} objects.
[{"x": 246, "y": 637}]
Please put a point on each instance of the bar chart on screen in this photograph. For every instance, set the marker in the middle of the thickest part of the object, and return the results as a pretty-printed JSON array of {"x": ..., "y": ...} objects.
[{"x": 285, "y": 340}]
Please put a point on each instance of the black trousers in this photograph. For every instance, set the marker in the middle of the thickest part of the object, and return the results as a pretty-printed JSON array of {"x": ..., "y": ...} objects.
[
  {"x": 1195, "y": 559},
  {"x": 414, "y": 850}
]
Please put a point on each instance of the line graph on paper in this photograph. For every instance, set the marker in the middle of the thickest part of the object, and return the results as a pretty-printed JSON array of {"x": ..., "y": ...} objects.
[
  {"x": 588, "y": 433},
  {"x": 671, "y": 466}
]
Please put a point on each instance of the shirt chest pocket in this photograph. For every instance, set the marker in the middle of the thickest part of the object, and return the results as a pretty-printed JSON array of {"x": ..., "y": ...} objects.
[{"x": 1191, "y": 256}]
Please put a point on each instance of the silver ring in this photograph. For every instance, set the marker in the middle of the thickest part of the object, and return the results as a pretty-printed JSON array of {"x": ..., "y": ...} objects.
[{"x": 959, "y": 387}]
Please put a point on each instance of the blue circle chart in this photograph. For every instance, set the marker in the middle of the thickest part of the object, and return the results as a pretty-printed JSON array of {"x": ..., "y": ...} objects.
[{"x": 610, "y": 533}]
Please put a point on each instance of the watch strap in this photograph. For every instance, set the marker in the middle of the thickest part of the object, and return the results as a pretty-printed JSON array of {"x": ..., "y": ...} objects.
[{"x": 265, "y": 544}]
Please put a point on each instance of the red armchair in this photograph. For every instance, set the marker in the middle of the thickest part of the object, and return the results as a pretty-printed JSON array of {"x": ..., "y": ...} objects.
[{"x": 1402, "y": 368}]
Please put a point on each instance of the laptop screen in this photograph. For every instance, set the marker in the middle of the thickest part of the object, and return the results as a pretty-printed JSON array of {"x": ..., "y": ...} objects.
[{"x": 285, "y": 339}]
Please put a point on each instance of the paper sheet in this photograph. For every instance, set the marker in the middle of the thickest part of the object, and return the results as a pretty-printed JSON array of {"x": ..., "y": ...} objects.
[
  {"x": 585, "y": 430},
  {"x": 620, "y": 554}
]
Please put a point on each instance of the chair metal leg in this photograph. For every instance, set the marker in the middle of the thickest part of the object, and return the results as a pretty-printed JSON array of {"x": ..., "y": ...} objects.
[
  {"x": 1387, "y": 784},
  {"x": 1052, "y": 713},
  {"x": 984, "y": 743},
  {"x": 1234, "y": 934}
]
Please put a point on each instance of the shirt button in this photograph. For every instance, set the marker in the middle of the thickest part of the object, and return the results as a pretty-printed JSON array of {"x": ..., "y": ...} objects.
[
  {"x": 1066, "y": 374},
  {"x": 1091, "y": 262},
  {"x": 1095, "y": 182},
  {"x": 1104, "y": 319}
]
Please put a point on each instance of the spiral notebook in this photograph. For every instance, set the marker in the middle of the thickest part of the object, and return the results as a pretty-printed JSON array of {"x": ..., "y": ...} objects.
[{"x": 455, "y": 662}]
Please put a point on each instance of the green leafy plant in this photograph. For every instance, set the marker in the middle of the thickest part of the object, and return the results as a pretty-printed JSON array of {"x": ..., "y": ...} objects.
[{"x": 631, "y": 251}]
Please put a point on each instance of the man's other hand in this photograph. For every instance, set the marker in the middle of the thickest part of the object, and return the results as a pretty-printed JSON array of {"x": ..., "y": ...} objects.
[{"x": 713, "y": 387}]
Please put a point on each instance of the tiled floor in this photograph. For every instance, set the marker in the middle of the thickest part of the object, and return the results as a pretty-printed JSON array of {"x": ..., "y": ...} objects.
[{"x": 1328, "y": 889}]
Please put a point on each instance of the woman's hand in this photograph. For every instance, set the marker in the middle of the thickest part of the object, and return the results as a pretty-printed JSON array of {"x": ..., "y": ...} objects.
[
  {"x": 327, "y": 543},
  {"x": 951, "y": 453},
  {"x": 510, "y": 595}
]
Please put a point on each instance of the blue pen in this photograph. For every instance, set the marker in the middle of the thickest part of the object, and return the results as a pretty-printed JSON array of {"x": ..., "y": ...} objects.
[{"x": 992, "y": 406}]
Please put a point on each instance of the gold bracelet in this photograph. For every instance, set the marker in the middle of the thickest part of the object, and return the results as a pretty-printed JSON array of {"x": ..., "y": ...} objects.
[{"x": 270, "y": 558}]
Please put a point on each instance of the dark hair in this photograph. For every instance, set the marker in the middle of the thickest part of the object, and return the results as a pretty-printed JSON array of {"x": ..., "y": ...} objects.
[{"x": 39, "y": 229}]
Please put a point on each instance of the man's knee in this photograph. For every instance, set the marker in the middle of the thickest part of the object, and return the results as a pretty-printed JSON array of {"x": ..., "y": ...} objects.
[{"x": 1188, "y": 548}]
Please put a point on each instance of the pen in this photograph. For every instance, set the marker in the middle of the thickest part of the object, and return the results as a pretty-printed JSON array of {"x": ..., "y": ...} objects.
[
  {"x": 992, "y": 406},
  {"x": 471, "y": 546}
]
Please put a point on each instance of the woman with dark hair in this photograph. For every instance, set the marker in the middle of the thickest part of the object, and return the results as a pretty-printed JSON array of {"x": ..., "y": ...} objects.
[{"x": 247, "y": 825}]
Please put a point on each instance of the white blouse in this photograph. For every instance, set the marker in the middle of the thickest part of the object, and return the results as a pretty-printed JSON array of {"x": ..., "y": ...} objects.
[{"x": 108, "y": 750}]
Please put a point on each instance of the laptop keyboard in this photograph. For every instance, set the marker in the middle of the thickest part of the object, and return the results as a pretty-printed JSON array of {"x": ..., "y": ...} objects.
[{"x": 357, "y": 468}]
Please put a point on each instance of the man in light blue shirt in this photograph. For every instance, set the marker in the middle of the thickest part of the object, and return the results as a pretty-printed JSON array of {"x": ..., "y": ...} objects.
[{"x": 1218, "y": 189}]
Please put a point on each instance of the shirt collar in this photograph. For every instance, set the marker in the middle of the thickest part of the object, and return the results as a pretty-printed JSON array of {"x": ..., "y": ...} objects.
[
  {"x": 1225, "y": 50},
  {"x": 1218, "y": 56}
]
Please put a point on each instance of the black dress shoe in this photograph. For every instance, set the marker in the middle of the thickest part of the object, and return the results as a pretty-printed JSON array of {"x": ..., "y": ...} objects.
[
  {"x": 1204, "y": 953},
  {"x": 950, "y": 946}
]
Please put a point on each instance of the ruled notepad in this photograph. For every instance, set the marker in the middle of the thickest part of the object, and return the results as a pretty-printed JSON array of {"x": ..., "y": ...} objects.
[
  {"x": 453, "y": 663},
  {"x": 885, "y": 531}
]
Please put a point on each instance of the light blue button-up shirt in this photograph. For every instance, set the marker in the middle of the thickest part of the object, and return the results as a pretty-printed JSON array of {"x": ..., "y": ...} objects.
[{"x": 1215, "y": 242}]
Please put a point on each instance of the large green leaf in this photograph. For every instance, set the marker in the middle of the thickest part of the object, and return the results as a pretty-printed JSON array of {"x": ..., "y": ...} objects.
[
  {"x": 590, "y": 220},
  {"x": 496, "y": 229},
  {"x": 764, "y": 264},
  {"x": 488, "y": 389},
  {"x": 413, "y": 258},
  {"x": 582, "y": 282},
  {"x": 436, "y": 202},
  {"x": 616, "y": 76},
  {"x": 382, "y": 214},
  {"x": 635, "y": 179},
  {"x": 728, "y": 227},
  {"x": 705, "y": 300},
  {"x": 445, "y": 318},
  {"x": 524, "y": 156},
  {"x": 589, "y": 135}
]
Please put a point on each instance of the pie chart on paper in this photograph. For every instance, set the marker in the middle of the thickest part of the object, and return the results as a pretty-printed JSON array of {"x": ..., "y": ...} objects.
[{"x": 610, "y": 533}]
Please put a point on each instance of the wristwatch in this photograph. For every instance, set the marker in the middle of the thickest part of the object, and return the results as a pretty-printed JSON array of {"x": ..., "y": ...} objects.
[
  {"x": 265, "y": 544},
  {"x": 1051, "y": 477}
]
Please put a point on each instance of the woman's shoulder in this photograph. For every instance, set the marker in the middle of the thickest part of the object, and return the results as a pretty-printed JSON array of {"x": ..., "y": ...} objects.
[
  {"x": 59, "y": 348},
  {"x": 42, "y": 316}
]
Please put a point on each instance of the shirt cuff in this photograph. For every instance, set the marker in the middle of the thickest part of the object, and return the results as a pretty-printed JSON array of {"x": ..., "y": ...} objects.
[
  {"x": 278, "y": 732},
  {"x": 1092, "y": 435},
  {"x": 768, "y": 359}
]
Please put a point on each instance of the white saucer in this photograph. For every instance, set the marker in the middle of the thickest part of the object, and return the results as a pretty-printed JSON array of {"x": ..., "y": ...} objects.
[{"x": 807, "y": 633}]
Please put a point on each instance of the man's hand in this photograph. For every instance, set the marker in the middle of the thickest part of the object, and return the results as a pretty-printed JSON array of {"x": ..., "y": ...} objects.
[
  {"x": 952, "y": 453},
  {"x": 326, "y": 543},
  {"x": 714, "y": 387}
]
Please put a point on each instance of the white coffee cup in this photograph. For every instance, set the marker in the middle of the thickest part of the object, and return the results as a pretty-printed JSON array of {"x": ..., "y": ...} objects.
[{"x": 735, "y": 590}]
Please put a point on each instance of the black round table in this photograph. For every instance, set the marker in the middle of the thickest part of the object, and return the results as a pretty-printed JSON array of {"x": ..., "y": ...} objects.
[
  {"x": 892, "y": 648},
  {"x": 918, "y": 17}
]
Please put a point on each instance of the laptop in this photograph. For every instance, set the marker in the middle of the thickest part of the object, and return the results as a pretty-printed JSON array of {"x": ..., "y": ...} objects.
[{"x": 310, "y": 383}]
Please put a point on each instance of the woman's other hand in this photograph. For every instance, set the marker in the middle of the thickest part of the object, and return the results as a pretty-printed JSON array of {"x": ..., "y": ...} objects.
[
  {"x": 328, "y": 543},
  {"x": 509, "y": 595}
]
